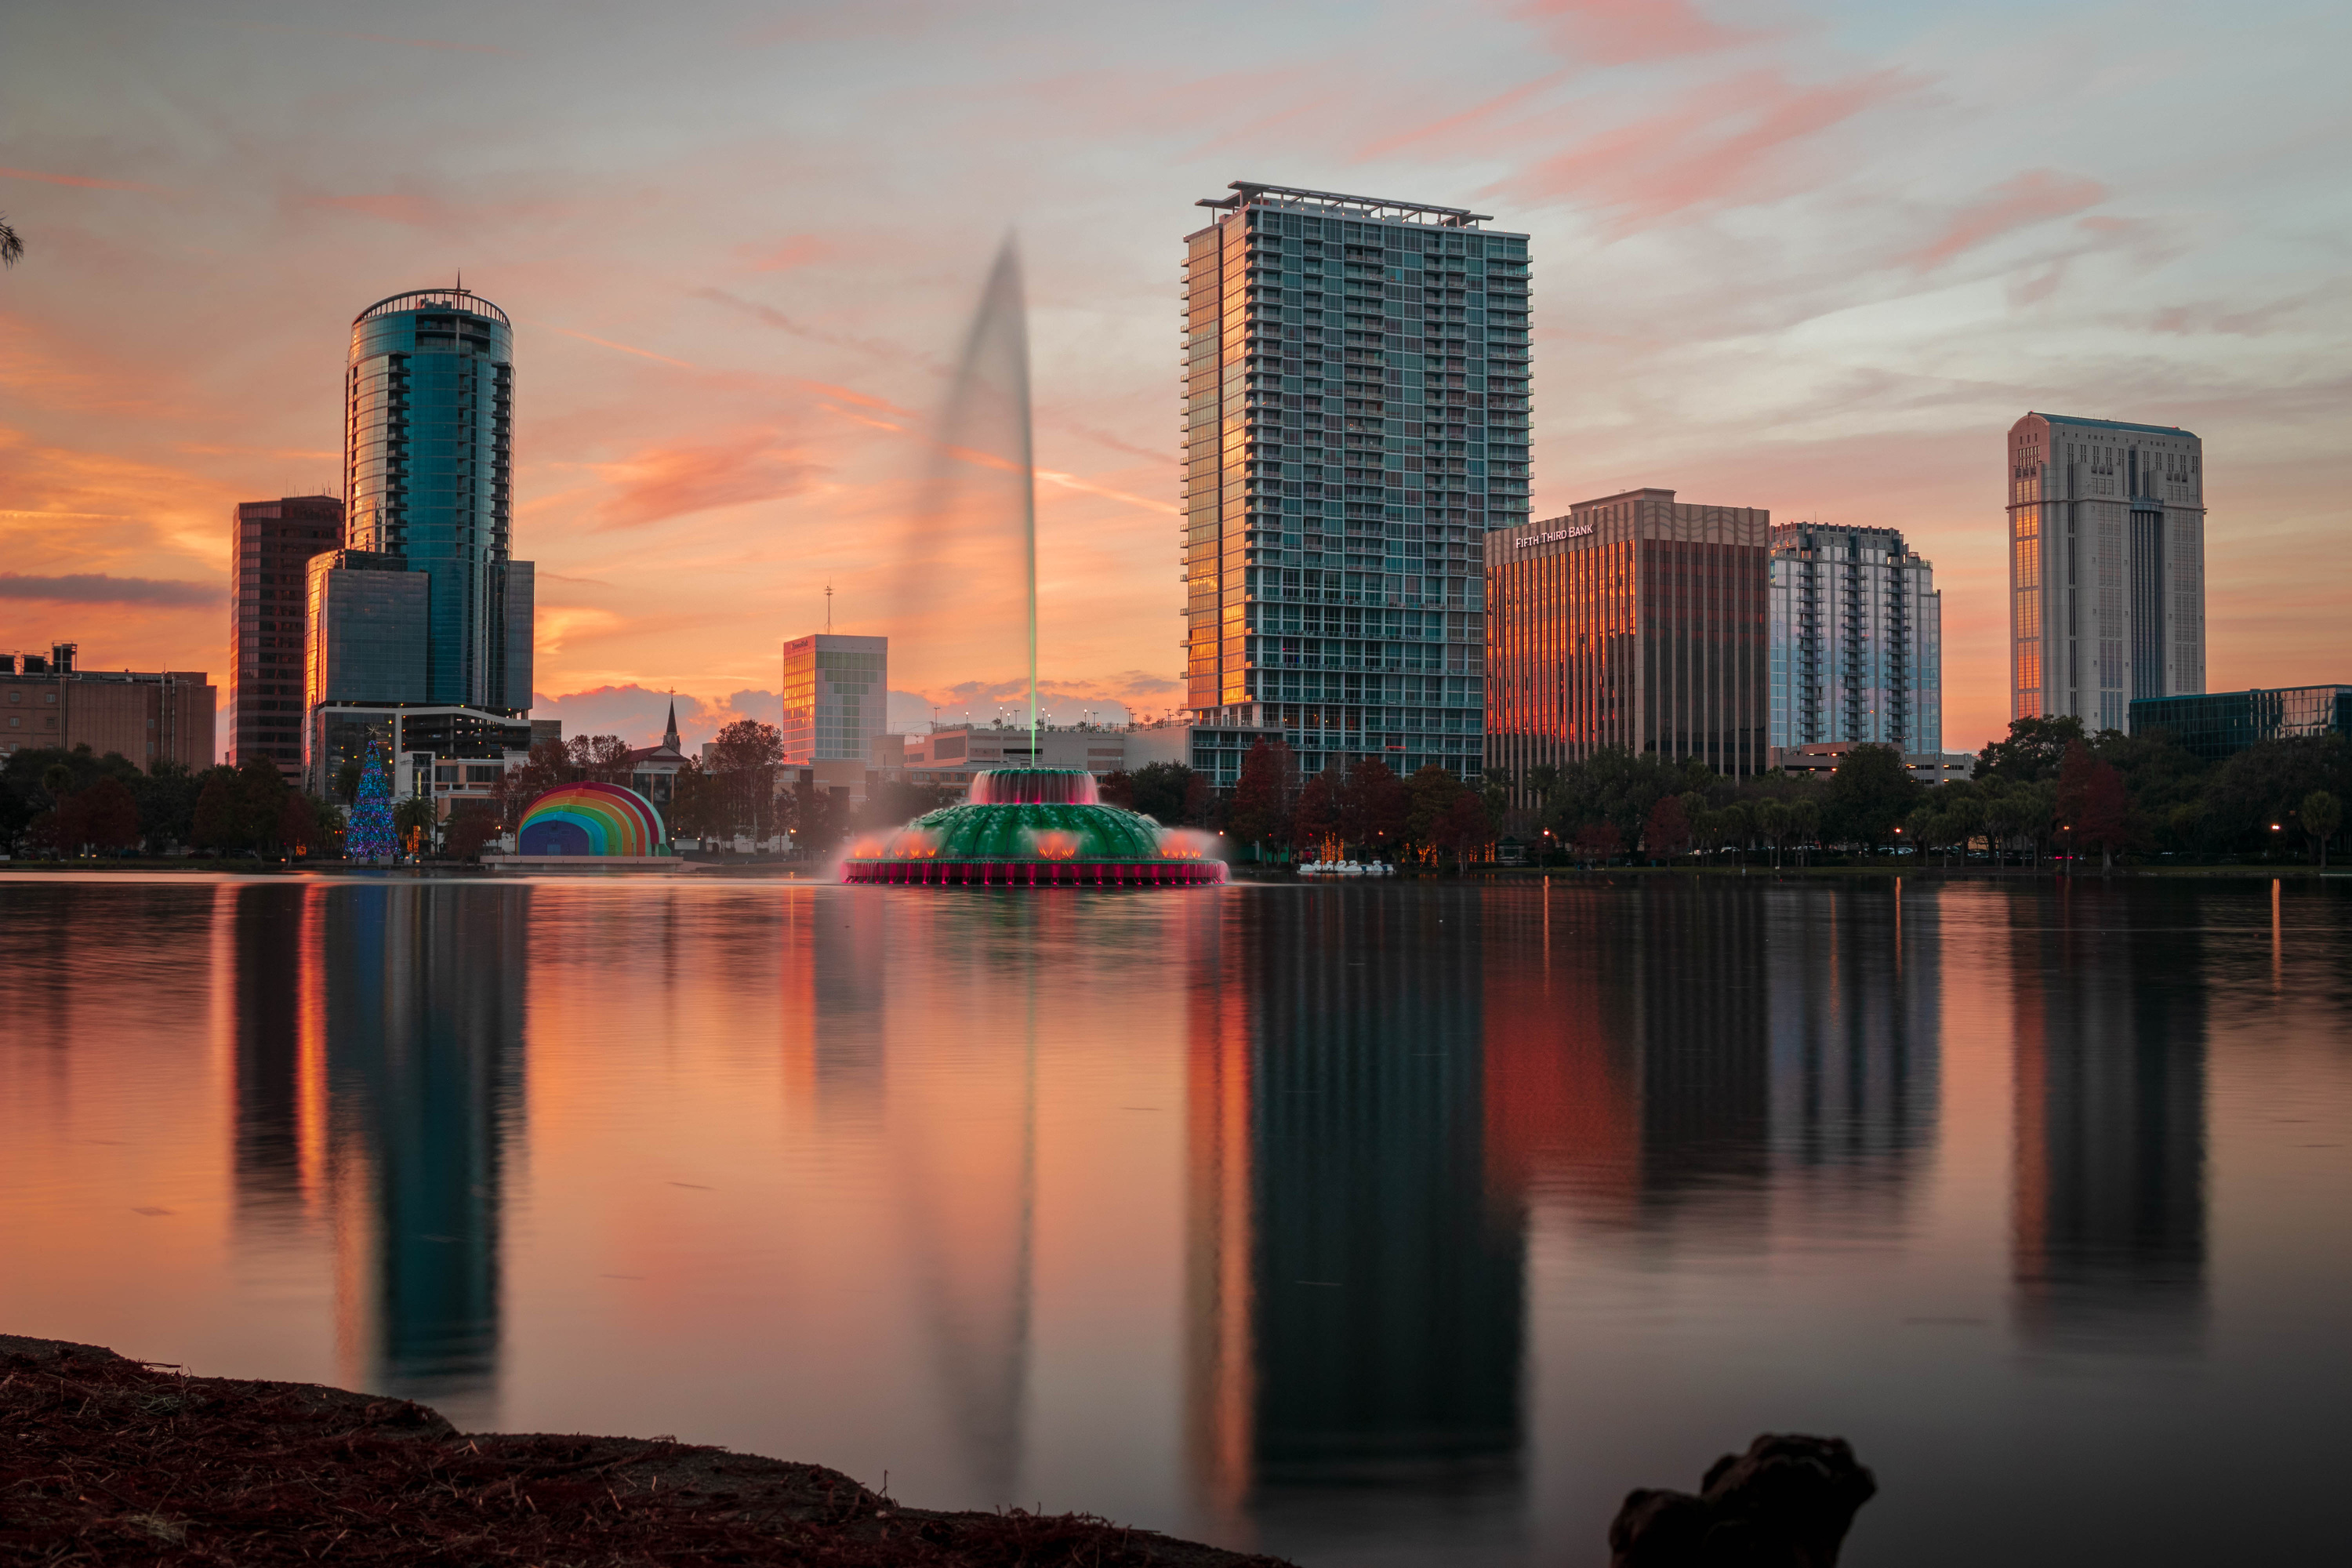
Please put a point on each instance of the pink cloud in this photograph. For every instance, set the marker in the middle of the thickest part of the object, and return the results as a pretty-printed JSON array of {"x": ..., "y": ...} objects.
[
  {"x": 2034, "y": 197},
  {"x": 1724, "y": 145},
  {"x": 799, "y": 250},
  {"x": 1621, "y": 32},
  {"x": 665, "y": 481}
]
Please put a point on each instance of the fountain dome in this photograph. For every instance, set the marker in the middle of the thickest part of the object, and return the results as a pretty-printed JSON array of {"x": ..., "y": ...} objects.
[{"x": 1033, "y": 828}]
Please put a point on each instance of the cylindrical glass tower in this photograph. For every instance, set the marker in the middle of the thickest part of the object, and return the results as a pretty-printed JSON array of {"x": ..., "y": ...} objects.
[{"x": 427, "y": 476}]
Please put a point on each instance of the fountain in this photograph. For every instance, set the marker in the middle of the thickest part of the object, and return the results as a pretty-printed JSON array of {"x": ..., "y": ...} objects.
[{"x": 1023, "y": 828}]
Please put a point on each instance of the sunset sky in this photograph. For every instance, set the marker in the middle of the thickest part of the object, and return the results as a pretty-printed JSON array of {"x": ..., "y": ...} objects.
[{"x": 1815, "y": 258}]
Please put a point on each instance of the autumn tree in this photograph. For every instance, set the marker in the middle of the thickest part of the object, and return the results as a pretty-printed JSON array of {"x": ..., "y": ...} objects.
[
  {"x": 1374, "y": 808},
  {"x": 1465, "y": 829},
  {"x": 1667, "y": 833},
  {"x": 1265, "y": 795},
  {"x": 2091, "y": 805},
  {"x": 2321, "y": 814},
  {"x": 1430, "y": 795}
]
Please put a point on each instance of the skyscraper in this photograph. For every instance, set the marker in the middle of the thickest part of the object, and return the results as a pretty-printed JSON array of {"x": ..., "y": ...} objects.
[
  {"x": 428, "y": 477},
  {"x": 1636, "y": 621},
  {"x": 2106, "y": 566},
  {"x": 269, "y": 621},
  {"x": 1857, "y": 640},
  {"x": 1356, "y": 419}
]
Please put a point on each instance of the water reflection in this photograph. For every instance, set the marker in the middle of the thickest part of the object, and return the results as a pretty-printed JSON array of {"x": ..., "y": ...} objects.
[
  {"x": 1357, "y": 1300},
  {"x": 1353, "y": 1222},
  {"x": 379, "y": 1068},
  {"x": 2109, "y": 1188}
]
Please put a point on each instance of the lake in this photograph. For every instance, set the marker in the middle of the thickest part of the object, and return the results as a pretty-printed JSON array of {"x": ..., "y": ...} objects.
[{"x": 1402, "y": 1222}]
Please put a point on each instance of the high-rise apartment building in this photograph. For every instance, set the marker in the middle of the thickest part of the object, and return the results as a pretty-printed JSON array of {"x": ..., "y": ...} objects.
[
  {"x": 1356, "y": 421},
  {"x": 836, "y": 699},
  {"x": 1856, "y": 640},
  {"x": 1636, "y": 621},
  {"x": 271, "y": 547},
  {"x": 428, "y": 445},
  {"x": 2106, "y": 566}
]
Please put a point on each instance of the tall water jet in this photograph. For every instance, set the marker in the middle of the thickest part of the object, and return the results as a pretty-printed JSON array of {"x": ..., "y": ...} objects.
[
  {"x": 1024, "y": 827},
  {"x": 979, "y": 495}
]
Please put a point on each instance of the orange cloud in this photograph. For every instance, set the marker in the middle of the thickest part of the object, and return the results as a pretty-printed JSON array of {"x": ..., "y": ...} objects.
[
  {"x": 662, "y": 482},
  {"x": 2034, "y": 197}
]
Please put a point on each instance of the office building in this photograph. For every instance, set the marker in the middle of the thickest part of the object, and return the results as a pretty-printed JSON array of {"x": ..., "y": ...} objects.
[
  {"x": 372, "y": 619},
  {"x": 47, "y": 700},
  {"x": 949, "y": 754},
  {"x": 1356, "y": 420},
  {"x": 272, "y": 544},
  {"x": 2217, "y": 724},
  {"x": 1856, "y": 640},
  {"x": 1635, "y": 621},
  {"x": 447, "y": 754},
  {"x": 428, "y": 479},
  {"x": 2106, "y": 566},
  {"x": 835, "y": 700}
]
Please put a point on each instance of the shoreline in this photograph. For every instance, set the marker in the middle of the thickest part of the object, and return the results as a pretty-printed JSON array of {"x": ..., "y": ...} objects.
[{"x": 106, "y": 1457}]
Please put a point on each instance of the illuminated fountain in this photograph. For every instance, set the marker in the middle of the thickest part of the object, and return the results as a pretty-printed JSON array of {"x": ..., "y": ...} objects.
[
  {"x": 1034, "y": 827},
  {"x": 1019, "y": 827}
]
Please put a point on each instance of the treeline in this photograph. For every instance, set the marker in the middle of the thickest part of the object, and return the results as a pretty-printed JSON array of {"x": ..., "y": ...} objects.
[
  {"x": 2048, "y": 788},
  {"x": 55, "y": 802}
]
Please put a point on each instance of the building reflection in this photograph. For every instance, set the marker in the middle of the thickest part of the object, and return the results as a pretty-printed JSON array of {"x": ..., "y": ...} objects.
[
  {"x": 379, "y": 1073},
  {"x": 1854, "y": 1017},
  {"x": 2108, "y": 1227},
  {"x": 1355, "y": 1318}
]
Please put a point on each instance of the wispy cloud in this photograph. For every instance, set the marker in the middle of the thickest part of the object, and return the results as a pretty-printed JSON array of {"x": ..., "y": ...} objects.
[
  {"x": 98, "y": 588},
  {"x": 1627, "y": 31},
  {"x": 84, "y": 181},
  {"x": 2036, "y": 197}
]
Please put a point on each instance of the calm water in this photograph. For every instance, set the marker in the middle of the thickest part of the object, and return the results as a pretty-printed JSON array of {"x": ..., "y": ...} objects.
[{"x": 1365, "y": 1224}]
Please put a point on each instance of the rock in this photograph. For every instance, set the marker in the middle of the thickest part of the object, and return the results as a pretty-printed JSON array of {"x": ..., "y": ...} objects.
[{"x": 1785, "y": 1503}]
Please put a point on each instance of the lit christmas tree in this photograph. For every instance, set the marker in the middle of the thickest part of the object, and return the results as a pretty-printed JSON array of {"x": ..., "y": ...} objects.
[{"x": 370, "y": 833}]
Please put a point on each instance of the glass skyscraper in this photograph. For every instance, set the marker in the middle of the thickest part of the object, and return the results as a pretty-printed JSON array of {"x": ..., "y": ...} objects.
[
  {"x": 1356, "y": 420},
  {"x": 1857, "y": 640},
  {"x": 428, "y": 445}
]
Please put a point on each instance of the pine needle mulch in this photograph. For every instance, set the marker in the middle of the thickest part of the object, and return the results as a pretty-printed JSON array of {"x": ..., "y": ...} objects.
[{"x": 109, "y": 1461}]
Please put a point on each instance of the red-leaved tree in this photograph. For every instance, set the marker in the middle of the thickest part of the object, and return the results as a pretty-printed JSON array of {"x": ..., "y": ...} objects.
[{"x": 2093, "y": 805}]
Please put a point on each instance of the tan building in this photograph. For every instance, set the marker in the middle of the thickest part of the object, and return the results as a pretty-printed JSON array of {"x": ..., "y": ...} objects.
[
  {"x": 45, "y": 701},
  {"x": 1635, "y": 621}
]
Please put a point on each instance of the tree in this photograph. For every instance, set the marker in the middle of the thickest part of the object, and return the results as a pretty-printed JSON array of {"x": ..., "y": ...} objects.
[
  {"x": 1162, "y": 791},
  {"x": 297, "y": 830},
  {"x": 1430, "y": 796},
  {"x": 167, "y": 803},
  {"x": 549, "y": 764},
  {"x": 2322, "y": 815},
  {"x": 414, "y": 819},
  {"x": 1265, "y": 795},
  {"x": 1597, "y": 841},
  {"x": 12, "y": 243},
  {"x": 347, "y": 781},
  {"x": 370, "y": 835},
  {"x": 1116, "y": 788},
  {"x": 2032, "y": 752},
  {"x": 602, "y": 758},
  {"x": 472, "y": 825},
  {"x": 1314, "y": 822},
  {"x": 1667, "y": 832},
  {"x": 241, "y": 808},
  {"x": 1374, "y": 808},
  {"x": 2092, "y": 806},
  {"x": 1869, "y": 793},
  {"x": 819, "y": 818},
  {"x": 1774, "y": 824},
  {"x": 1466, "y": 829}
]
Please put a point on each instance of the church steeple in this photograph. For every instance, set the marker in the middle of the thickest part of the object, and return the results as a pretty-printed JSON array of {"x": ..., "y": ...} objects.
[{"x": 669, "y": 734}]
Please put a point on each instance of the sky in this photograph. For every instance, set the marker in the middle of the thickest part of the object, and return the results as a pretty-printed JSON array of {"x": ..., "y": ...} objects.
[{"x": 1814, "y": 257}]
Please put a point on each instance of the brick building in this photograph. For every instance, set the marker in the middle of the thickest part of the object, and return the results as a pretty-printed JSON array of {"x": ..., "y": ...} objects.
[{"x": 46, "y": 701}]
